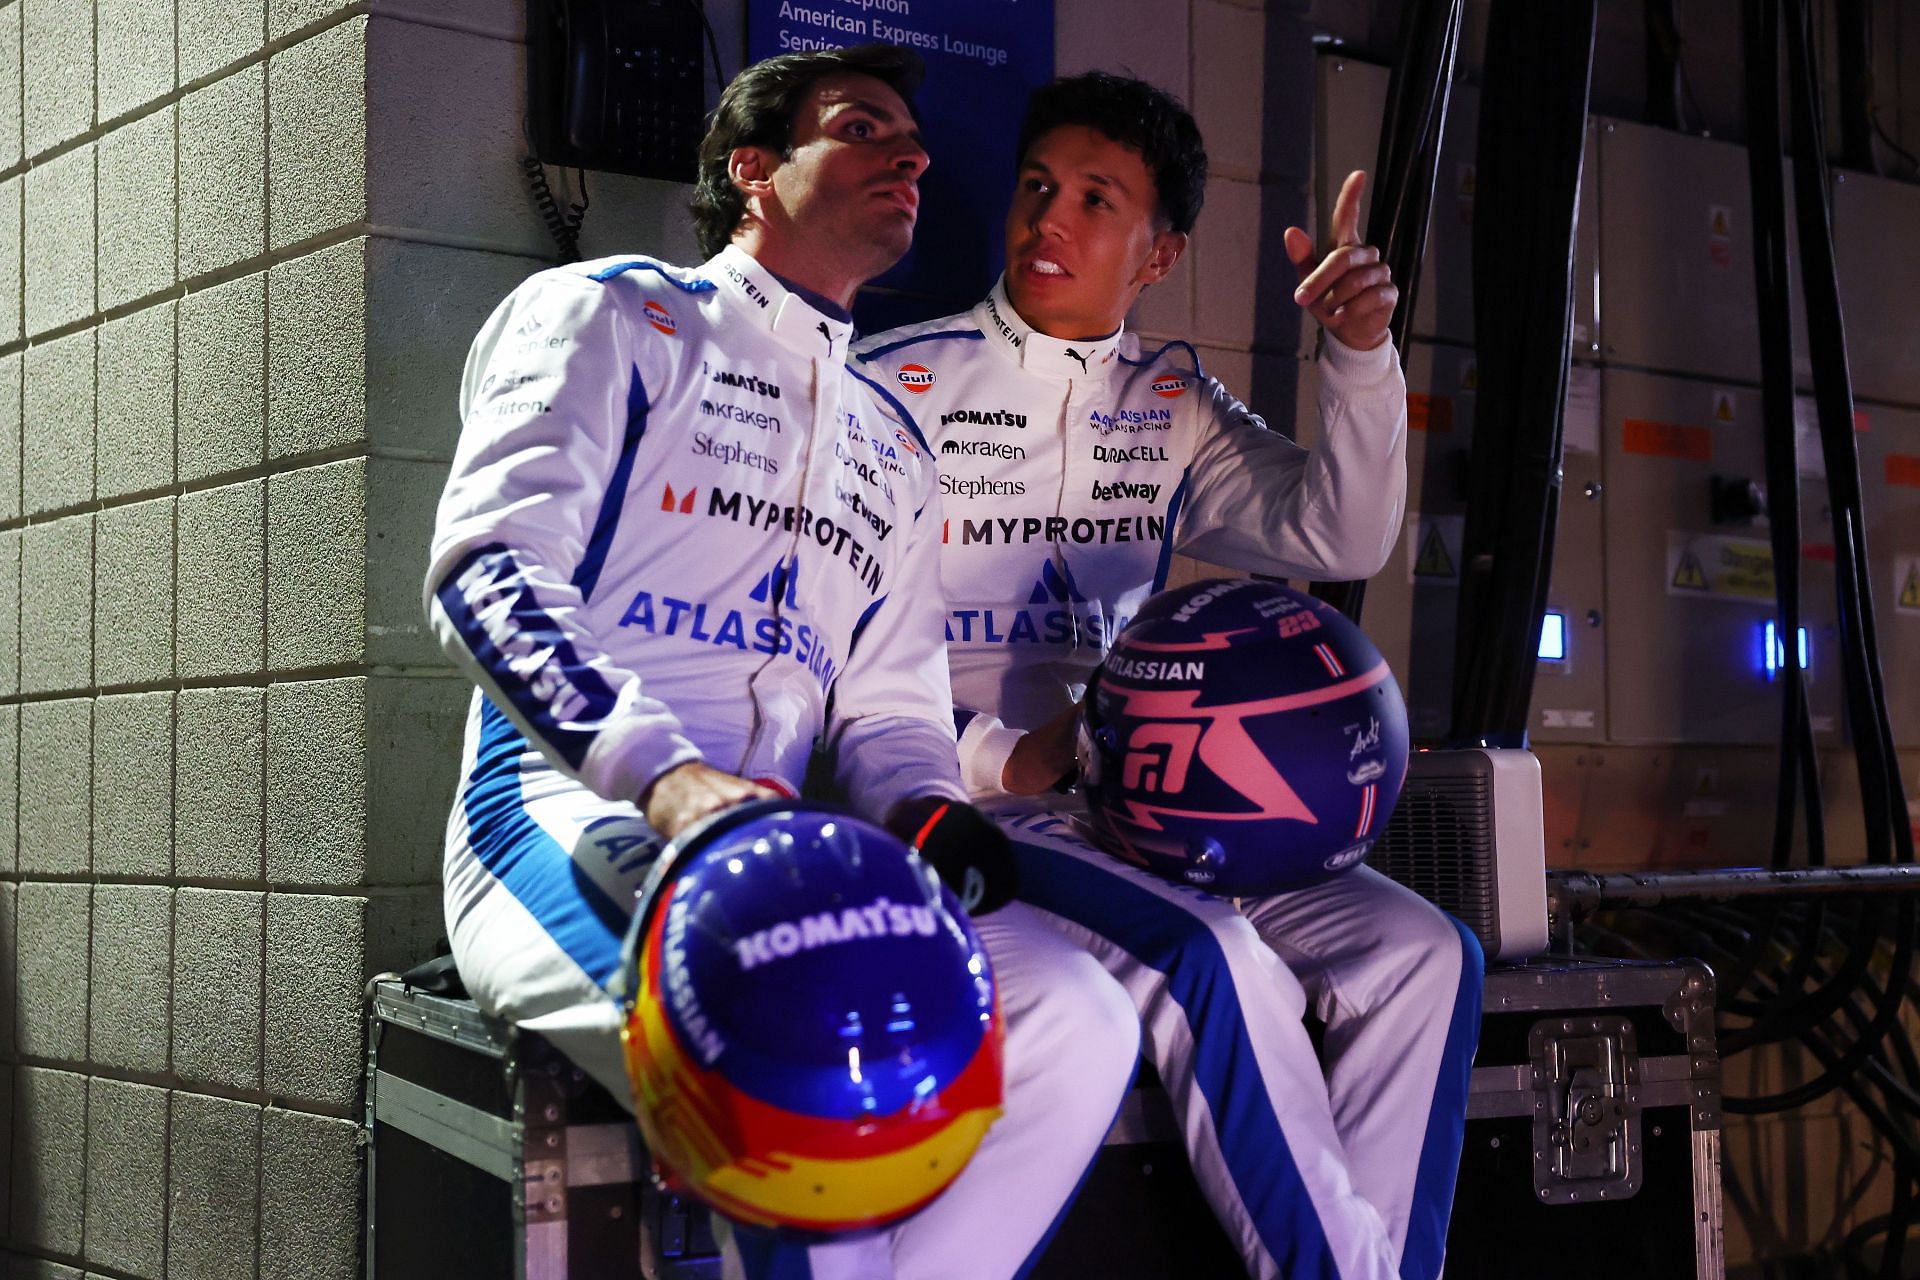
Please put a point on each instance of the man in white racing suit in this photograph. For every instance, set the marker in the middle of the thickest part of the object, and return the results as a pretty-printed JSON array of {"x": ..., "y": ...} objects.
[
  {"x": 1075, "y": 462},
  {"x": 678, "y": 529}
]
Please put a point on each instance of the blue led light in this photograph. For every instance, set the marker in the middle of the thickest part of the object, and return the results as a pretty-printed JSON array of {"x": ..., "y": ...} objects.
[
  {"x": 1553, "y": 637},
  {"x": 1774, "y": 654}
]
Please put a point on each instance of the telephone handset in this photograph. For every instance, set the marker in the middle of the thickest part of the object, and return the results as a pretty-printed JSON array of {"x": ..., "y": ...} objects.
[{"x": 616, "y": 85}]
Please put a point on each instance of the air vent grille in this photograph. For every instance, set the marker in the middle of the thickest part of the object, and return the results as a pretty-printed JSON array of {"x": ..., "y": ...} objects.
[{"x": 1440, "y": 844}]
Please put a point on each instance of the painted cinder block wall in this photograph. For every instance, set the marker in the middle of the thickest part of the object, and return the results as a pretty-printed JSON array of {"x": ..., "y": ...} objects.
[{"x": 243, "y": 246}]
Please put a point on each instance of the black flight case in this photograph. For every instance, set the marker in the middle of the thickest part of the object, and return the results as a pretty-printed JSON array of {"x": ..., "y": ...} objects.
[
  {"x": 492, "y": 1157},
  {"x": 1592, "y": 1150}
]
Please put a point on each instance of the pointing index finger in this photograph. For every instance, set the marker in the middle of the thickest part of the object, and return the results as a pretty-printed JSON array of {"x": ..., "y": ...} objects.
[{"x": 1346, "y": 210}]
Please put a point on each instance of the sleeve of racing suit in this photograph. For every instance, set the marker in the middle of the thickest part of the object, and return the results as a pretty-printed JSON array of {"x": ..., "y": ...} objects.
[
  {"x": 985, "y": 744},
  {"x": 1258, "y": 501},
  {"x": 893, "y": 704},
  {"x": 551, "y": 404}
]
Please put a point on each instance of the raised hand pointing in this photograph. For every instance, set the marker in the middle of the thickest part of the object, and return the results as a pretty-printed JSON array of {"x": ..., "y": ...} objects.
[{"x": 1348, "y": 289}]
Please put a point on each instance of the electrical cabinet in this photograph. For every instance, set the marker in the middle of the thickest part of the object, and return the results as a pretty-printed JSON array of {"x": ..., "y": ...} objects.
[
  {"x": 1412, "y": 603},
  {"x": 1689, "y": 577},
  {"x": 1676, "y": 255},
  {"x": 1890, "y": 492},
  {"x": 1873, "y": 219},
  {"x": 1353, "y": 101},
  {"x": 1570, "y": 675}
]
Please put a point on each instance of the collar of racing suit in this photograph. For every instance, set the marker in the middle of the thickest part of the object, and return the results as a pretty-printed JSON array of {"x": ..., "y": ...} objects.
[
  {"x": 781, "y": 311},
  {"x": 1035, "y": 351}
]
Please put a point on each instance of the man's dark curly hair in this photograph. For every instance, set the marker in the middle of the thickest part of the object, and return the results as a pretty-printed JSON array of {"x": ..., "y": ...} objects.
[
  {"x": 757, "y": 111},
  {"x": 1135, "y": 114}
]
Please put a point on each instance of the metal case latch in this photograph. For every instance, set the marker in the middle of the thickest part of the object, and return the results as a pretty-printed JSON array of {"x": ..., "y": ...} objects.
[{"x": 1586, "y": 1109}]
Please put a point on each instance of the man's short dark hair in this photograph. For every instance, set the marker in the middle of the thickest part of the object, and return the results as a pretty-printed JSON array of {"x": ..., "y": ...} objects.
[
  {"x": 757, "y": 110},
  {"x": 1135, "y": 114}
]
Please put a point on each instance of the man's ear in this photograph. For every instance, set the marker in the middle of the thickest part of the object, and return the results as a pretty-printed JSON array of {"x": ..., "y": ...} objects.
[
  {"x": 751, "y": 170},
  {"x": 1167, "y": 248}
]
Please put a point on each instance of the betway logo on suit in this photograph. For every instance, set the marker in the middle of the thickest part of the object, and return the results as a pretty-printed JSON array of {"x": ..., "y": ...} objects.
[
  {"x": 1125, "y": 489},
  {"x": 760, "y": 513}
]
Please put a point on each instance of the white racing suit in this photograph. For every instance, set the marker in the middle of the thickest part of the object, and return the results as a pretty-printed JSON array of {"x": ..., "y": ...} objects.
[
  {"x": 676, "y": 520},
  {"x": 1072, "y": 472}
]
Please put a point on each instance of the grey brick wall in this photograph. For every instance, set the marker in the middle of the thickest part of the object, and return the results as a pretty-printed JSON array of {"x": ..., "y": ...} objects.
[{"x": 243, "y": 247}]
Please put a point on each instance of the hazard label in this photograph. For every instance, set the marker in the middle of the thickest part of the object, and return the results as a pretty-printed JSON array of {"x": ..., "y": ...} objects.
[
  {"x": 1722, "y": 405},
  {"x": 1429, "y": 413},
  {"x": 1719, "y": 235},
  {"x": 1433, "y": 548},
  {"x": 1704, "y": 564},
  {"x": 1906, "y": 584},
  {"x": 1580, "y": 421},
  {"x": 1667, "y": 440},
  {"x": 1469, "y": 375}
]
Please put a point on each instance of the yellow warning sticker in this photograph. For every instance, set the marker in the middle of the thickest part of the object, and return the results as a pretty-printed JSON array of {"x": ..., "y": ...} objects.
[
  {"x": 1433, "y": 549},
  {"x": 1906, "y": 578},
  {"x": 1722, "y": 405},
  {"x": 1706, "y": 564},
  {"x": 1720, "y": 235},
  {"x": 1469, "y": 375}
]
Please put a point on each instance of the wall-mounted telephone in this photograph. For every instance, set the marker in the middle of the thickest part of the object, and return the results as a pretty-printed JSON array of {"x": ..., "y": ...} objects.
[{"x": 616, "y": 85}]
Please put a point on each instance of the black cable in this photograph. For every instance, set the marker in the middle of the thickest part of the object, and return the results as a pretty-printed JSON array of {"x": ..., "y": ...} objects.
[
  {"x": 1533, "y": 116},
  {"x": 1406, "y": 165},
  {"x": 564, "y": 227},
  {"x": 713, "y": 45}
]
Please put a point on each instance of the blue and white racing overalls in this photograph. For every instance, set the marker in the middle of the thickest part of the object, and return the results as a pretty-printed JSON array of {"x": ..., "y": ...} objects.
[
  {"x": 676, "y": 520},
  {"x": 1071, "y": 473}
]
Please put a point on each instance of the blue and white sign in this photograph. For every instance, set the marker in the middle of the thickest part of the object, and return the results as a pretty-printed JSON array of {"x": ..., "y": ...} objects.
[{"x": 983, "y": 58}]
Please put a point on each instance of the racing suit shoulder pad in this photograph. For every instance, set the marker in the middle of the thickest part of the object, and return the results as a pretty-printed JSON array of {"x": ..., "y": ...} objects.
[
  {"x": 603, "y": 270},
  {"x": 894, "y": 342},
  {"x": 1174, "y": 356},
  {"x": 889, "y": 404}
]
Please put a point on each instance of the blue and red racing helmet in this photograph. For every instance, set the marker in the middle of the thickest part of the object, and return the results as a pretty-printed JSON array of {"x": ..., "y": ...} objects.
[
  {"x": 811, "y": 1031},
  {"x": 1243, "y": 738}
]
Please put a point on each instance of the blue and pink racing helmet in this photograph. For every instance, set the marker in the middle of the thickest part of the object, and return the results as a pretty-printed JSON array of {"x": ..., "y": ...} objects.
[{"x": 1243, "y": 738}]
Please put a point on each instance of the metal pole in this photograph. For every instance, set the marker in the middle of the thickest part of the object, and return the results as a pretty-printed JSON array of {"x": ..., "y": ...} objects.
[{"x": 1585, "y": 891}]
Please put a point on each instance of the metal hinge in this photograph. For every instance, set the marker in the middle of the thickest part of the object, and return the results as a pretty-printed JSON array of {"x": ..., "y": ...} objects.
[{"x": 1586, "y": 1118}]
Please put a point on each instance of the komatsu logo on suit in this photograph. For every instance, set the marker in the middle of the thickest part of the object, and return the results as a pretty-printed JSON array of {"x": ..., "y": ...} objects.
[
  {"x": 1124, "y": 489},
  {"x": 985, "y": 418},
  {"x": 1085, "y": 530},
  {"x": 881, "y": 918},
  {"x": 746, "y": 382}
]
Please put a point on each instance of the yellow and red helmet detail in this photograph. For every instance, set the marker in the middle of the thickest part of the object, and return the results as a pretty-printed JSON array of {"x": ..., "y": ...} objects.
[{"x": 769, "y": 1166}]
